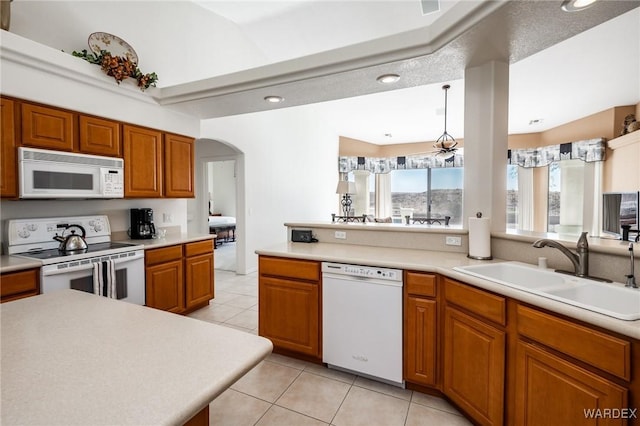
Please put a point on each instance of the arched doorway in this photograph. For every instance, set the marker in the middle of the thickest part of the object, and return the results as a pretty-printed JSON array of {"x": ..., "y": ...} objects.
[{"x": 213, "y": 161}]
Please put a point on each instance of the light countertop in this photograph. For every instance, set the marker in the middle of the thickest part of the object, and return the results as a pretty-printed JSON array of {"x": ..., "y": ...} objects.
[
  {"x": 70, "y": 357},
  {"x": 169, "y": 240},
  {"x": 441, "y": 263},
  {"x": 13, "y": 263}
]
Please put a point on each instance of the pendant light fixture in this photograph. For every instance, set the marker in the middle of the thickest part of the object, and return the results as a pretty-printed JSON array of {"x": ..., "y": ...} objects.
[{"x": 446, "y": 144}]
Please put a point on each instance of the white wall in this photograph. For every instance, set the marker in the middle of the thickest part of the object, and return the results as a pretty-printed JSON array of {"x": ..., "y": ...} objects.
[
  {"x": 175, "y": 28},
  {"x": 290, "y": 170},
  {"x": 222, "y": 186},
  {"x": 39, "y": 73}
]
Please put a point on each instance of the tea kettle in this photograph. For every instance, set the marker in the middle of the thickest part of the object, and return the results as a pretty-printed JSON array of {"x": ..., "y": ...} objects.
[{"x": 72, "y": 242}]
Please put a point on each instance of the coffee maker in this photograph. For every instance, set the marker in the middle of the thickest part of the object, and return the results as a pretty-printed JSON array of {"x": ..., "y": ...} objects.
[{"x": 142, "y": 227}]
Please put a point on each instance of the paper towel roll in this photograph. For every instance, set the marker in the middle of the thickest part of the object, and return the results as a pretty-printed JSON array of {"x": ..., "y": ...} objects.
[{"x": 480, "y": 237}]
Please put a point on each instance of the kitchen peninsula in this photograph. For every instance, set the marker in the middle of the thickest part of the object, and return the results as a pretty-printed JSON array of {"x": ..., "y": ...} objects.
[{"x": 70, "y": 357}]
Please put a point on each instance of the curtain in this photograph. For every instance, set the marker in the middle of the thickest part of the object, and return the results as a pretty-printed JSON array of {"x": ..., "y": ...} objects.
[
  {"x": 592, "y": 197},
  {"x": 525, "y": 199},
  {"x": 587, "y": 150},
  {"x": 388, "y": 164},
  {"x": 383, "y": 195}
]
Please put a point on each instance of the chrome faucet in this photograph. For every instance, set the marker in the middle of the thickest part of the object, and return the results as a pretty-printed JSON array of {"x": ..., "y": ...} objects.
[
  {"x": 631, "y": 279},
  {"x": 580, "y": 259}
]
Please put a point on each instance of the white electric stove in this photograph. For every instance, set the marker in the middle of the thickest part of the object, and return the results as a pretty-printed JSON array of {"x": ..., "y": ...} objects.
[{"x": 33, "y": 238}]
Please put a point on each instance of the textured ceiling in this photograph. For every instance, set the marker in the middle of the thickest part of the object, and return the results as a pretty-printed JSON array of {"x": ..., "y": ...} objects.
[{"x": 510, "y": 31}]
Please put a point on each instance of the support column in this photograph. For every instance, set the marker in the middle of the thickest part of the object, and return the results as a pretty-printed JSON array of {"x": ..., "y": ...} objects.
[{"x": 486, "y": 108}]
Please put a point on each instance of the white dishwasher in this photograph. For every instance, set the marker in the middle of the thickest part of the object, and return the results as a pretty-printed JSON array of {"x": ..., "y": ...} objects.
[{"x": 362, "y": 320}]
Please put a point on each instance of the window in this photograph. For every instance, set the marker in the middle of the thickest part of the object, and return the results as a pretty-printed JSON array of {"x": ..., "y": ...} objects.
[
  {"x": 427, "y": 193},
  {"x": 565, "y": 211}
]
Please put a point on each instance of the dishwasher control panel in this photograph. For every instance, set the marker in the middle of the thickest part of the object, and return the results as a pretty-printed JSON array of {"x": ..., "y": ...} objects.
[{"x": 362, "y": 271}]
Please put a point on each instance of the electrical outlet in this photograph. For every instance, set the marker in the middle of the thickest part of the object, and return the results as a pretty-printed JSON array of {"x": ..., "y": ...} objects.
[
  {"x": 453, "y": 241},
  {"x": 167, "y": 217},
  {"x": 341, "y": 235}
]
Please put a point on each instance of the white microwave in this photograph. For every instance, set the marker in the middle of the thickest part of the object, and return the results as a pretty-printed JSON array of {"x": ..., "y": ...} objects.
[{"x": 57, "y": 174}]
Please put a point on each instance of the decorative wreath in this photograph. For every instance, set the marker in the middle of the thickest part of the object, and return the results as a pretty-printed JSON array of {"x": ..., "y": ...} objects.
[{"x": 118, "y": 67}]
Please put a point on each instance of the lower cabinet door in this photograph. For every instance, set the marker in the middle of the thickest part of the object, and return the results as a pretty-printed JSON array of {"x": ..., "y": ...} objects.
[
  {"x": 165, "y": 286},
  {"x": 289, "y": 314},
  {"x": 474, "y": 366},
  {"x": 420, "y": 341},
  {"x": 552, "y": 391},
  {"x": 199, "y": 279}
]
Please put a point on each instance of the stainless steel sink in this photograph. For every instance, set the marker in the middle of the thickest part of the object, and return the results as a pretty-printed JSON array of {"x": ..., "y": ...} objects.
[{"x": 610, "y": 299}]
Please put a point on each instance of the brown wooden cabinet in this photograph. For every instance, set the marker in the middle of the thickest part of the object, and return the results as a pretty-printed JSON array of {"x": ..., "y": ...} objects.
[
  {"x": 474, "y": 353},
  {"x": 8, "y": 159},
  {"x": 199, "y": 281},
  {"x": 180, "y": 278},
  {"x": 289, "y": 305},
  {"x": 142, "y": 151},
  {"x": 550, "y": 390},
  {"x": 563, "y": 368},
  {"x": 156, "y": 167},
  {"x": 420, "y": 328},
  {"x": 99, "y": 136},
  {"x": 165, "y": 279},
  {"x": 48, "y": 127},
  {"x": 19, "y": 284},
  {"x": 178, "y": 166}
]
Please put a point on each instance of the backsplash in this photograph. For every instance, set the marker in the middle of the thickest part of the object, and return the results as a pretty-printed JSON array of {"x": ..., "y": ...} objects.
[{"x": 116, "y": 210}]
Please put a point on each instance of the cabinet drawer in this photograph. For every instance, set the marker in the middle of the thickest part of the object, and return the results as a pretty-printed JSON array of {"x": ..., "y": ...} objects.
[
  {"x": 19, "y": 282},
  {"x": 605, "y": 352},
  {"x": 420, "y": 284},
  {"x": 290, "y": 268},
  {"x": 164, "y": 254},
  {"x": 487, "y": 305},
  {"x": 200, "y": 247}
]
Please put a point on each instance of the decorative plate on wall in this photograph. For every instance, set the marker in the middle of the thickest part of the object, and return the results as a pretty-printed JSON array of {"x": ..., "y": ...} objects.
[{"x": 112, "y": 44}]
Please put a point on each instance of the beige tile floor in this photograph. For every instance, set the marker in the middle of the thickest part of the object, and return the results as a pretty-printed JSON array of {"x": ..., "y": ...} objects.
[{"x": 283, "y": 391}]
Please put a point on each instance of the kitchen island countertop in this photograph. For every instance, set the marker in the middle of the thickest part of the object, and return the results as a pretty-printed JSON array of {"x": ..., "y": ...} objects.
[
  {"x": 441, "y": 263},
  {"x": 70, "y": 357}
]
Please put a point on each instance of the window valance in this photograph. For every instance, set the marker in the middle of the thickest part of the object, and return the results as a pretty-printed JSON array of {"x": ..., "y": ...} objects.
[
  {"x": 587, "y": 150},
  {"x": 388, "y": 164}
]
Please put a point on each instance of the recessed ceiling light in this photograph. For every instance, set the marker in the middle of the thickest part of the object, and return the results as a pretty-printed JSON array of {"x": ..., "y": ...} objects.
[
  {"x": 388, "y": 78},
  {"x": 576, "y": 5},
  {"x": 274, "y": 99}
]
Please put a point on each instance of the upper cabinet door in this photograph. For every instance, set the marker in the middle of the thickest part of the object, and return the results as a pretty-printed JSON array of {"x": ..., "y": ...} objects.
[
  {"x": 142, "y": 150},
  {"x": 100, "y": 137},
  {"x": 9, "y": 172},
  {"x": 178, "y": 166},
  {"x": 48, "y": 128}
]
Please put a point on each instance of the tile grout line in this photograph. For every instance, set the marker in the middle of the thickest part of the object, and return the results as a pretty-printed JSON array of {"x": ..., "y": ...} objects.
[{"x": 341, "y": 403}]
